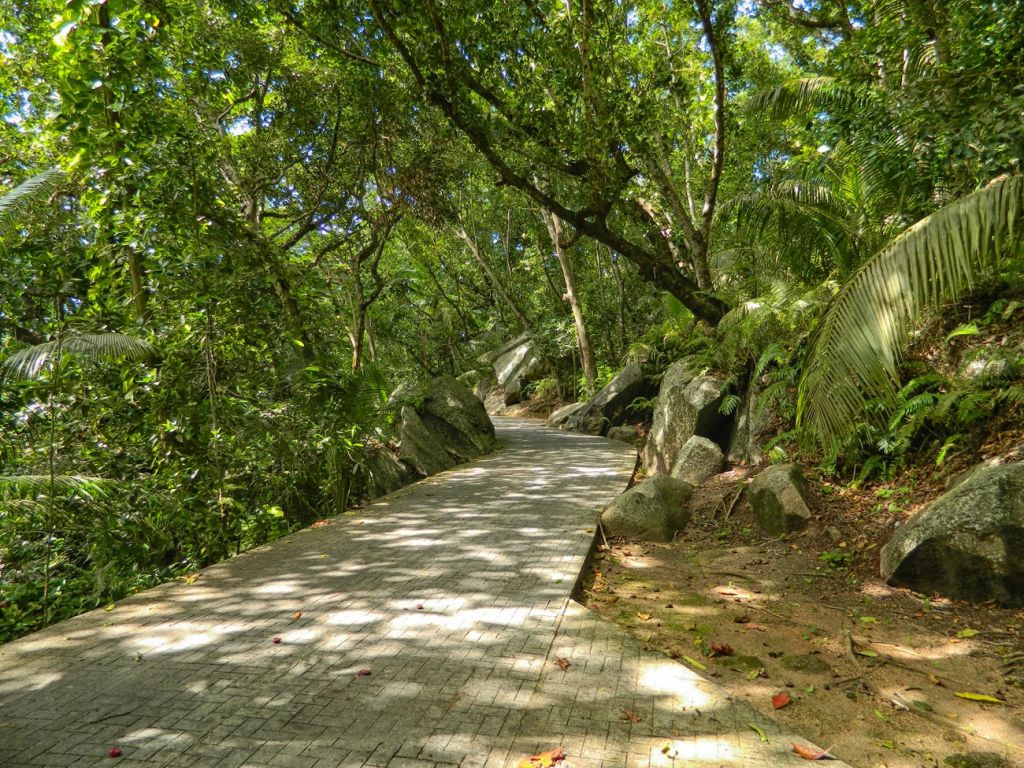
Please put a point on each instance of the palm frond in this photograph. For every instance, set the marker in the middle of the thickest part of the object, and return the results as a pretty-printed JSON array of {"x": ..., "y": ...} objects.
[
  {"x": 17, "y": 200},
  {"x": 27, "y": 363},
  {"x": 27, "y": 486},
  {"x": 802, "y": 95},
  {"x": 856, "y": 349}
]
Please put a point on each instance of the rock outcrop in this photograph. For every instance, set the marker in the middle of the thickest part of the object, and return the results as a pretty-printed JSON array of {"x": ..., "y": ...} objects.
[
  {"x": 608, "y": 407},
  {"x": 446, "y": 427},
  {"x": 699, "y": 459},
  {"x": 778, "y": 498},
  {"x": 966, "y": 544},
  {"x": 688, "y": 404},
  {"x": 749, "y": 424},
  {"x": 652, "y": 511},
  {"x": 558, "y": 418},
  {"x": 515, "y": 365}
]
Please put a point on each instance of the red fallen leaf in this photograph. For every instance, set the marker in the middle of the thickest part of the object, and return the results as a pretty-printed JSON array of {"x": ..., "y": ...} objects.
[
  {"x": 543, "y": 760},
  {"x": 811, "y": 753},
  {"x": 115, "y": 752},
  {"x": 721, "y": 649},
  {"x": 780, "y": 700},
  {"x": 419, "y": 606},
  {"x": 562, "y": 662},
  {"x": 275, "y": 640},
  {"x": 363, "y": 673}
]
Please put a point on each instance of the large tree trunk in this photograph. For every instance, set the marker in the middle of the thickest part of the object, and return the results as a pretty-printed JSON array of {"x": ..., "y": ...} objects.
[{"x": 555, "y": 230}]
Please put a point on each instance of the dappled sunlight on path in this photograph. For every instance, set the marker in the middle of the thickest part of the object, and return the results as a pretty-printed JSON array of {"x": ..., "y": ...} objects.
[{"x": 422, "y": 629}]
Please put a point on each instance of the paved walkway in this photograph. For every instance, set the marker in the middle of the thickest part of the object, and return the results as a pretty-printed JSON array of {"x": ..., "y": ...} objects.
[{"x": 430, "y": 626}]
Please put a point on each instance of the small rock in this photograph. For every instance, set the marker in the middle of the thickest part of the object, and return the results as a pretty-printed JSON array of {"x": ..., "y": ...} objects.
[
  {"x": 652, "y": 511},
  {"x": 778, "y": 500},
  {"x": 699, "y": 459}
]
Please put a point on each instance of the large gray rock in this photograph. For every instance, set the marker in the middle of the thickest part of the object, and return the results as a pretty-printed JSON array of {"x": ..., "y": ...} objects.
[
  {"x": 698, "y": 460},
  {"x": 652, "y": 511},
  {"x": 748, "y": 427},
  {"x": 559, "y": 417},
  {"x": 687, "y": 405},
  {"x": 516, "y": 365},
  {"x": 385, "y": 472},
  {"x": 447, "y": 426},
  {"x": 778, "y": 499},
  {"x": 967, "y": 544},
  {"x": 419, "y": 447},
  {"x": 608, "y": 407}
]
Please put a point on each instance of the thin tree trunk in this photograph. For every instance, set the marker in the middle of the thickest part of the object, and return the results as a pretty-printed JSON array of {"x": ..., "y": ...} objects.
[
  {"x": 489, "y": 273},
  {"x": 555, "y": 230}
]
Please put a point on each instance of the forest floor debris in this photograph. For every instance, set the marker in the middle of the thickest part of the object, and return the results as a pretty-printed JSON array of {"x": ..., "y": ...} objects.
[{"x": 889, "y": 678}]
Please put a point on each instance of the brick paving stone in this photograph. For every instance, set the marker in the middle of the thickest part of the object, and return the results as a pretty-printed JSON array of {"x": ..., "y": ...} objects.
[{"x": 454, "y": 593}]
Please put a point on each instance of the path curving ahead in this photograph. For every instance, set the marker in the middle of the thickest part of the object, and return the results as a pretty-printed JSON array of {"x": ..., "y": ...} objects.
[{"x": 453, "y": 594}]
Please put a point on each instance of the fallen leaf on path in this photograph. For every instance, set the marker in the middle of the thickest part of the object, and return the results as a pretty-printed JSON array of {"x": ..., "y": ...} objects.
[
  {"x": 780, "y": 700},
  {"x": 694, "y": 663},
  {"x": 562, "y": 662},
  {"x": 812, "y": 753},
  {"x": 721, "y": 649},
  {"x": 965, "y": 633},
  {"x": 753, "y": 627},
  {"x": 115, "y": 752},
  {"x": 419, "y": 606},
  {"x": 275, "y": 640},
  {"x": 297, "y": 614},
  {"x": 630, "y": 716},
  {"x": 543, "y": 760},
  {"x": 643, "y": 616},
  {"x": 867, "y": 652},
  {"x": 978, "y": 697},
  {"x": 109, "y": 607},
  {"x": 934, "y": 679},
  {"x": 363, "y": 673},
  {"x": 320, "y": 523}
]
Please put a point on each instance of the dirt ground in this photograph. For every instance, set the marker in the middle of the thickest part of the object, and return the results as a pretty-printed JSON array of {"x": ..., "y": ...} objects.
[{"x": 880, "y": 675}]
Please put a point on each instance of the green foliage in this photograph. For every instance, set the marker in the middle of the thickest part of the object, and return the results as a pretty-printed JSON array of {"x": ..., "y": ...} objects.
[{"x": 856, "y": 350}]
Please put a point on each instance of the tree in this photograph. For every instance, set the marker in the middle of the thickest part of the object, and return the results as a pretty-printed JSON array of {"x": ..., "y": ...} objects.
[{"x": 584, "y": 94}]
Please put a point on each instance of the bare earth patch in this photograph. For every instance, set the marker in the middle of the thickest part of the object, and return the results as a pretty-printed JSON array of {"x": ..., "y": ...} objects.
[{"x": 888, "y": 677}]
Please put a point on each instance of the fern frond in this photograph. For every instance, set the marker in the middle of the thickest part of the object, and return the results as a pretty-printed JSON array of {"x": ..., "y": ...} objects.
[
  {"x": 27, "y": 363},
  {"x": 857, "y": 347}
]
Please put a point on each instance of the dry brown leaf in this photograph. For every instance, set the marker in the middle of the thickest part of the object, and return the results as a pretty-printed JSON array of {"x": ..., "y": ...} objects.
[
  {"x": 811, "y": 753},
  {"x": 562, "y": 662},
  {"x": 543, "y": 759},
  {"x": 643, "y": 616},
  {"x": 630, "y": 716}
]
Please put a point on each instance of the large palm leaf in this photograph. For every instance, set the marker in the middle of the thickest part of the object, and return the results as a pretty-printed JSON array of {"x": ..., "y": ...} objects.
[
  {"x": 855, "y": 352},
  {"x": 802, "y": 94},
  {"x": 27, "y": 363},
  {"x": 16, "y": 201}
]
